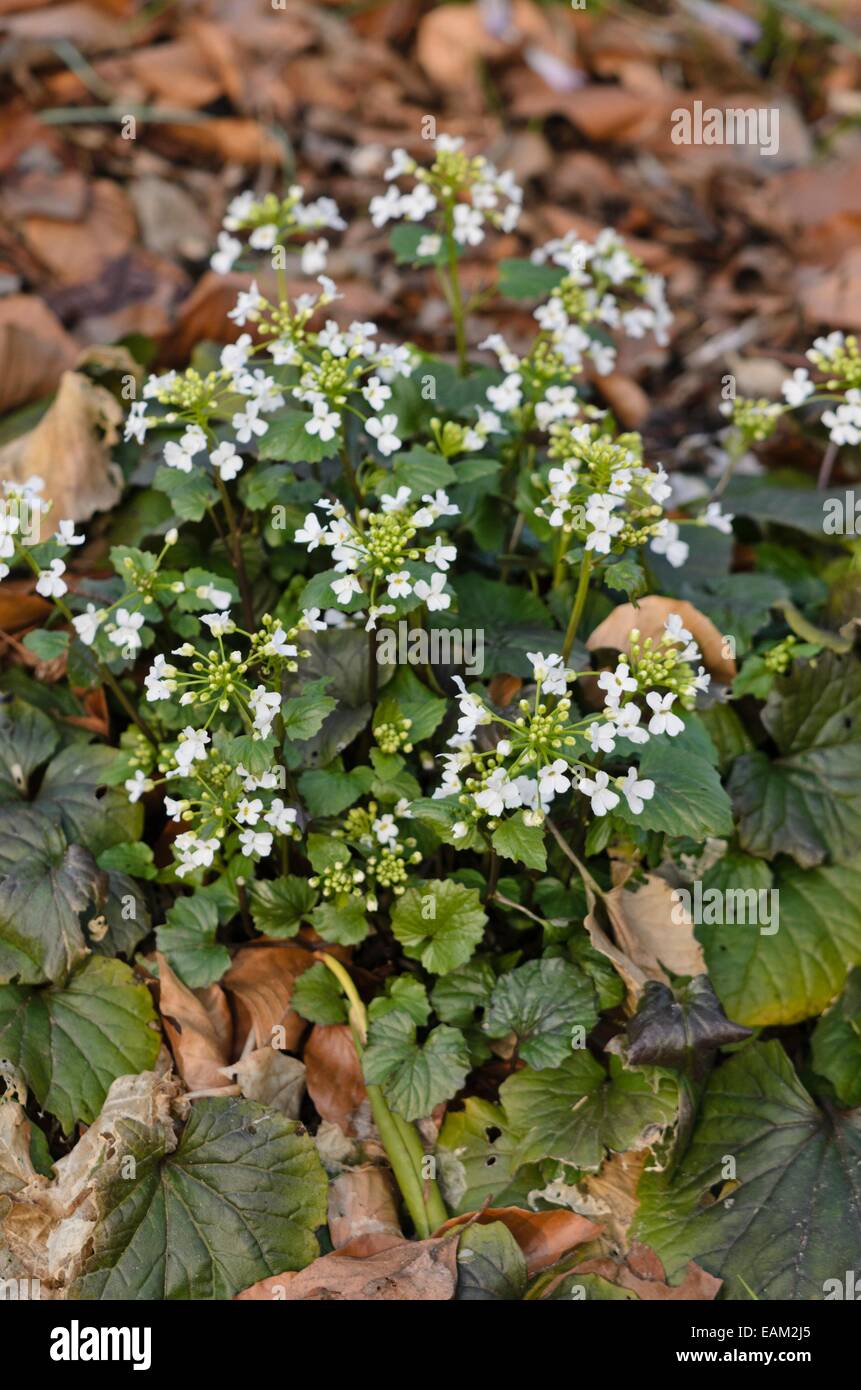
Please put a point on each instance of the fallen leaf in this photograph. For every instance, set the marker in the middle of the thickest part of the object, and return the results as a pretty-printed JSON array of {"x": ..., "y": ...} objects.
[
  {"x": 198, "y": 1027},
  {"x": 649, "y": 617},
  {"x": 543, "y": 1236},
  {"x": 372, "y": 1268},
  {"x": 362, "y": 1201},
  {"x": 272, "y": 1077},
  {"x": 35, "y": 350},
  {"x": 334, "y": 1080},
  {"x": 646, "y": 929},
  {"x": 70, "y": 449},
  {"x": 260, "y": 982}
]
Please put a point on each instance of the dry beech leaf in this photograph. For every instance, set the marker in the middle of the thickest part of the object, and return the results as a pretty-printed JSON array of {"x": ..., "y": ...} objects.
[
  {"x": 199, "y": 1029},
  {"x": 20, "y": 607},
  {"x": 642, "y": 1272},
  {"x": 362, "y": 1201},
  {"x": 649, "y": 617},
  {"x": 334, "y": 1080},
  {"x": 372, "y": 1268},
  {"x": 543, "y": 1236},
  {"x": 271, "y": 1077},
  {"x": 70, "y": 450},
  {"x": 35, "y": 350},
  {"x": 260, "y": 981},
  {"x": 644, "y": 928}
]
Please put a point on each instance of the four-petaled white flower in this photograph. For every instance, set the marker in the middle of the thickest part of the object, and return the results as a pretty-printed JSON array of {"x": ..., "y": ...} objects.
[
  {"x": 663, "y": 721},
  {"x": 383, "y": 430},
  {"x": 636, "y": 792},
  {"x": 65, "y": 534},
  {"x": 51, "y": 583},
  {"x": 400, "y": 584},
  {"x": 433, "y": 594},
  {"x": 599, "y": 793}
]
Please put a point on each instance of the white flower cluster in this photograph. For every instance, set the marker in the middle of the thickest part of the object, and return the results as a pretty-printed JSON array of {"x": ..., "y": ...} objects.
[{"x": 465, "y": 193}]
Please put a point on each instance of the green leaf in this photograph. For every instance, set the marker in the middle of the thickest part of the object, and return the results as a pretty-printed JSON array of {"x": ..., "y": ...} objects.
[
  {"x": 765, "y": 976},
  {"x": 134, "y": 858},
  {"x": 522, "y": 279},
  {"x": 419, "y": 470},
  {"x": 40, "y": 934},
  {"x": 404, "y": 241},
  {"x": 514, "y": 621},
  {"x": 392, "y": 782},
  {"x": 239, "y": 1199},
  {"x": 190, "y": 493},
  {"x": 279, "y": 906},
  {"x": 791, "y": 1220},
  {"x": 688, "y": 799},
  {"x": 47, "y": 646},
  {"x": 188, "y": 942},
  {"x": 72, "y": 1042},
  {"x": 589, "y": 1288},
  {"x": 403, "y": 992},
  {"x": 807, "y": 801},
  {"x": 490, "y": 1265},
  {"x": 406, "y": 695},
  {"x": 288, "y": 441},
  {"x": 625, "y": 576},
  {"x": 574, "y": 1112},
  {"x": 327, "y": 792},
  {"x": 415, "y": 1077},
  {"x": 476, "y": 1149},
  {"x": 303, "y": 715},
  {"x": 27, "y": 739},
  {"x": 70, "y": 795},
  {"x": 458, "y": 995},
  {"x": 317, "y": 996},
  {"x": 342, "y": 921},
  {"x": 836, "y": 1043},
  {"x": 513, "y": 839},
  {"x": 542, "y": 1002},
  {"x": 440, "y": 924}
]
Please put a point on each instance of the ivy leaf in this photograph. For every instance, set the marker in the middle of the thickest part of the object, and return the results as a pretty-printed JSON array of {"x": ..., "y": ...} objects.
[
  {"x": 303, "y": 715},
  {"x": 279, "y": 906},
  {"x": 188, "y": 941},
  {"x": 574, "y": 1112},
  {"x": 317, "y": 996},
  {"x": 806, "y": 802},
  {"x": 791, "y": 1219},
  {"x": 403, "y": 992},
  {"x": 836, "y": 1043},
  {"x": 765, "y": 976},
  {"x": 440, "y": 925},
  {"x": 688, "y": 799},
  {"x": 72, "y": 1042},
  {"x": 343, "y": 921},
  {"x": 542, "y": 1002},
  {"x": 27, "y": 739},
  {"x": 238, "y": 1200},
  {"x": 40, "y": 934},
  {"x": 490, "y": 1265},
  {"x": 513, "y": 839},
  {"x": 288, "y": 441},
  {"x": 415, "y": 1077},
  {"x": 671, "y": 1031}
]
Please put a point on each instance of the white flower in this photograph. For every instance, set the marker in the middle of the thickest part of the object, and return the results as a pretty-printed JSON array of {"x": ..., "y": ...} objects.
[
  {"x": 605, "y": 525},
  {"x": 375, "y": 393},
  {"x": 396, "y": 503},
  {"x": 386, "y": 206},
  {"x": 311, "y": 619},
  {"x": 193, "y": 853},
  {"x": 87, "y": 624},
  {"x": 280, "y": 817},
  {"x": 663, "y": 721},
  {"x": 598, "y": 791},
  {"x": 249, "y": 812},
  {"x": 126, "y": 632},
  {"x": 616, "y": 683},
  {"x": 175, "y": 808},
  {"x": 844, "y": 424},
  {"x": 247, "y": 423},
  {"x": 433, "y": 594},
  {"x": 175, "y": 456},
  {"x": 386, "y": 829},
  {"x": 636, "y": 792},
  {"x": 65, "y": 534},
  {"x": 508, "y": 395},
  {"x": 713, "y": 516},
  {"x": 345, "y": 587},
  {"x": 627, "y": 721},
  {"x": 229, "y": 251},
  {"x": 468, "y": 225},
  {"x": 219, "y": 598},
  {"x": 191, "y": 747},
  {"x": 137, "y": 424},
  {"x": 441, "y": 555},
  {"x": 429, "y": 245},
  {"x": 137, "y": 785},
  {"x": 248, "y": 304},
  {"x": 50, "y": 583},
  {"x": 235, "y": 355},
  {"x": 158, "y": 680},
  {"x": 313, "y": 258},
  {"x": 798, "y": 387},
  {"x": 498, "y": 794},
  {"x": 400, "y": 584},
  {"x": 667, "y": 543},
  {"x": 458, "y": 830},
  {"x": 416, "y": 205},
  {"x": 602, "y": 736},
  {"x": 377, "y": 611},
  {"x": 324, "y": 422},
  {"x": 226, "y": 460},
  {"x": 472, "y": 710},
  {"x": 278, "y": 644},
  {"x": 383, "y": 430},
  {"x": 312, "y": 533},
  {"x": 220, "y": 624},
  {"x": 255, "y": 842},
  {"x": 675, "y": 630},
  {"x": 435, "y": 506},
  {"x": 552, "y": 779},
  {"x": 550, "y": 671},
  {"x": 402, "y": 163},
  {"x": 265, "y": 704}
]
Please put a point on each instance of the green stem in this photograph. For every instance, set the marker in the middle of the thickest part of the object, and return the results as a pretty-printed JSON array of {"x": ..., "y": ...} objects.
[
  {"x": 456, "y": 297},
  {"x": 579, "y": 603},
  {"x": 400, "y": 1139},
  {"x": 238, "y": 559},
  {"x": 351, "y": 475}
]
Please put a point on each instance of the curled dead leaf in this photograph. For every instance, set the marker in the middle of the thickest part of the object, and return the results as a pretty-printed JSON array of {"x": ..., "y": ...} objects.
[
  {"x": 543, "y": 1236},
  {"x": 335, "y": 1081},
  {"x": 649, "y": 617},
  {"x": 260, "y": 982},
  {"x": 372, "y": 1268},
  {"x": 362, "y": 1201},
  {"x": 199, "y": 1029}
]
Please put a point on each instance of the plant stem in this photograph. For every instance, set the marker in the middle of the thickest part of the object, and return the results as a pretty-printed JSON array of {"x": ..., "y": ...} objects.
[
  {"x": 400, "y": 1139},
  {"x": 578, "y": 605},
  {"x": 238, "y": 559},
  {"x": 114, "y": 685},
  {"x": 350, "y": 474},
  {"x": 456, "y": 298}
]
